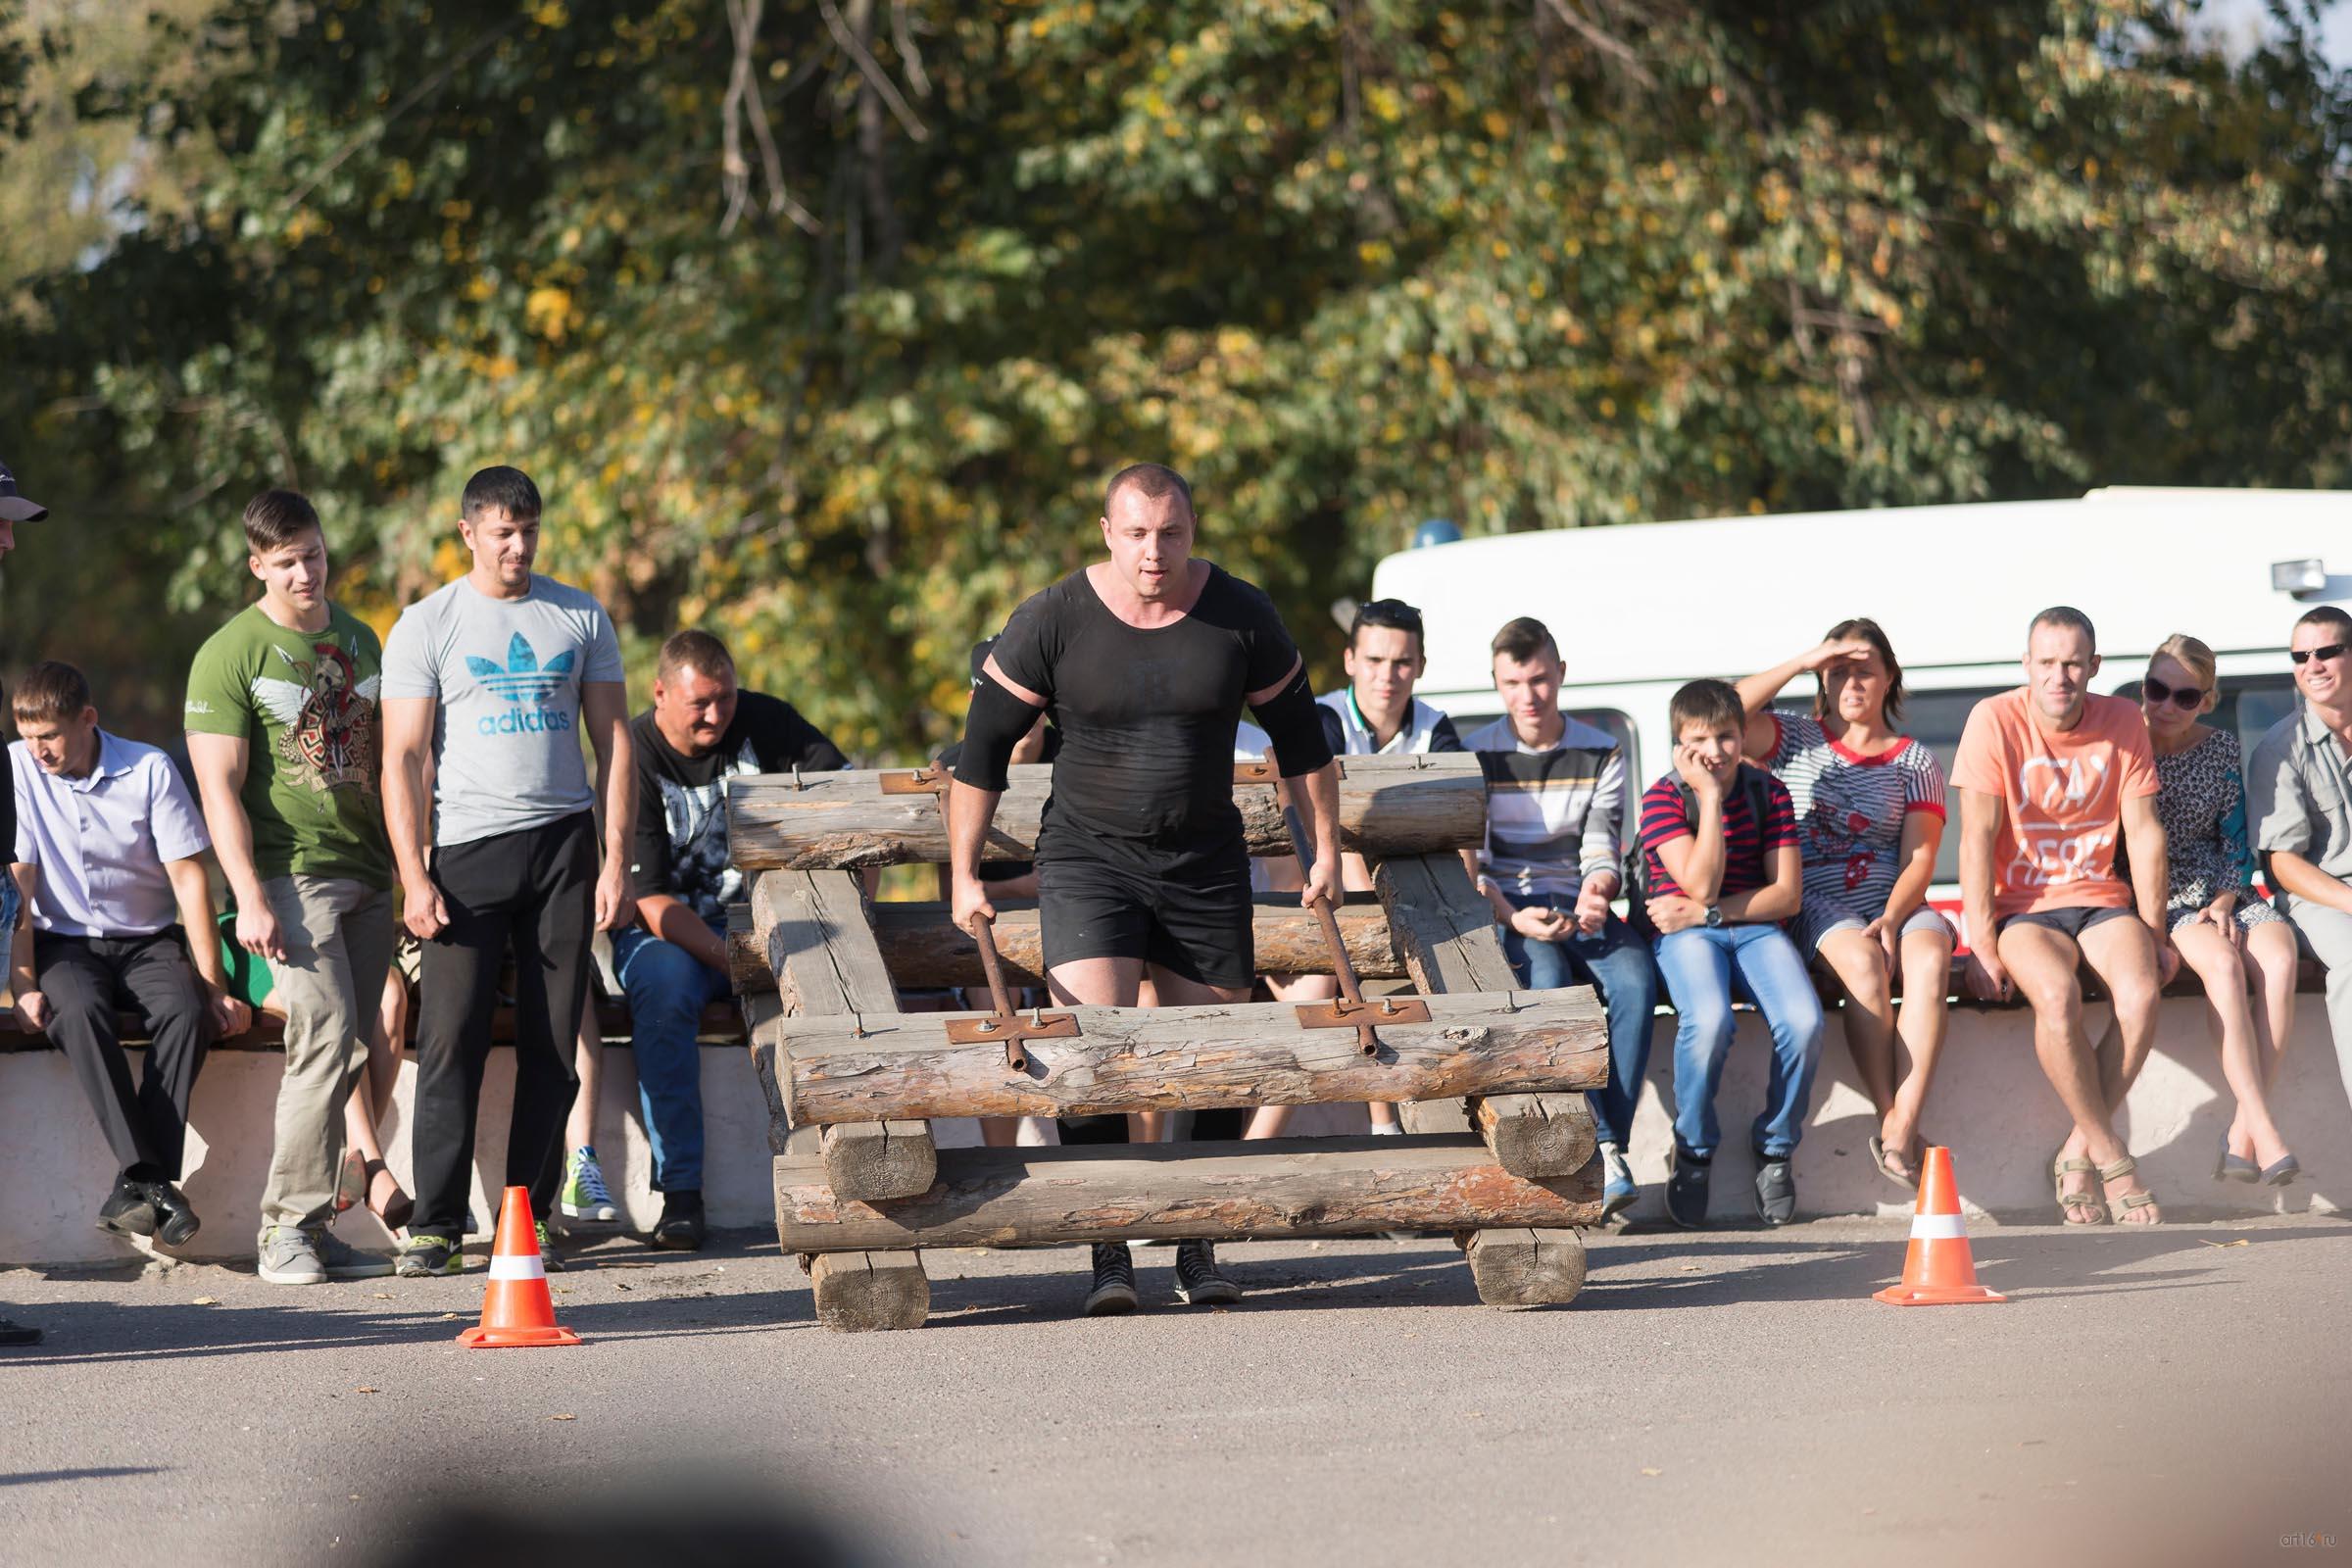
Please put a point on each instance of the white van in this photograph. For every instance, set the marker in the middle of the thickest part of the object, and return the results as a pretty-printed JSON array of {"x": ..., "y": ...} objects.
[{"x": 1640, "y": 609}]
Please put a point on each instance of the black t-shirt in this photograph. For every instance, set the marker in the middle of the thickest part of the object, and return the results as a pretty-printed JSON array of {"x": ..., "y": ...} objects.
[
  {"x": 1004, "y": 870},
  {"x": 1147, "y": 718},
  {"x": 681, "y": 837}
]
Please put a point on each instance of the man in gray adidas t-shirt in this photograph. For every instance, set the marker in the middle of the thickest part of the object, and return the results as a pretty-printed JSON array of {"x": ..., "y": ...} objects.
[{"x": 492, "y": 679}]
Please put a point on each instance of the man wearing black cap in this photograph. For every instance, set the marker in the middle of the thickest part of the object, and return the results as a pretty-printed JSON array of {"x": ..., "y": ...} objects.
[
  {"x": 702, "y": 730},
  {"x": 1144, "y": 662},
  {"x": 14, "y": 509}
]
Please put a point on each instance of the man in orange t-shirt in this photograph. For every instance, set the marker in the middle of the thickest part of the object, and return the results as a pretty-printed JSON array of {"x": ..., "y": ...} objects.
[{"x": 2049, "y": 779}]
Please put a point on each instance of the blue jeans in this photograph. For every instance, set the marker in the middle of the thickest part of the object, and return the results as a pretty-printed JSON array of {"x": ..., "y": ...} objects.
[
  {"x": 668, "y": 989},
  {"x": 1615, "y": 962},
  {"x": 1702, "y": 967}
]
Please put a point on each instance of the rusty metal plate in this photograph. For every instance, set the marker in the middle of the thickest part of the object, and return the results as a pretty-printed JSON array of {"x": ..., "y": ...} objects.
[
  {"x": 1344, "y": 1014},
  {"x": 999, "y": 1027},
  {"x": 915, "y": 781}
]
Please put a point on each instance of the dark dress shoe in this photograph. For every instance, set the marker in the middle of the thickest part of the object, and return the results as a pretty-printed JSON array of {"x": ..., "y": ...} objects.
[
  {"x": 128, "y": 1209},
  {"x": 680, "y": 1229},
  {"x": 175, "y": 1223},
  {"x": 19, "y": 1333}
]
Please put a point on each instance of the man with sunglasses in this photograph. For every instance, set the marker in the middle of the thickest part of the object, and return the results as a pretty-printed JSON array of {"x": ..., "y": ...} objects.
[{"x": 2299, "y": 795}]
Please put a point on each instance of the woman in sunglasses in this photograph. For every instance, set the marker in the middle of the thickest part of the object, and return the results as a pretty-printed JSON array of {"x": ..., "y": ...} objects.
[
  {"x": 2222, "y": 925},
  {"x": 1870, "y": 813}
]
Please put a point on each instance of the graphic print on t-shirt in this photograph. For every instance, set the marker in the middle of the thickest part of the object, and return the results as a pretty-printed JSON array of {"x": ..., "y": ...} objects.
[
  {"x": 697, "y": 818},
  {"x": 522, "y": 681},
  {"x": 2053, "y": 847},
  {"x": 330, "y": 717}
]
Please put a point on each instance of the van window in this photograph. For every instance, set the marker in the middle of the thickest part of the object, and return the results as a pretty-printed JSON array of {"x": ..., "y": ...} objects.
[
  {"x": 1617, "y": 726},
  {"x": 1933, "y": 719}
]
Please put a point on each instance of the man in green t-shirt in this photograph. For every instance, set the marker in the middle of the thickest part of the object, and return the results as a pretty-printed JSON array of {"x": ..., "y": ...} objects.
[{"x": 284, "y": 737}]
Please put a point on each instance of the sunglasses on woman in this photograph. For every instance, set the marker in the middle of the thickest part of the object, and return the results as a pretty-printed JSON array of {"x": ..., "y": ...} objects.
[
  {"x": 2184, "y": 697},
  {"x": 2325, "y": 654}
]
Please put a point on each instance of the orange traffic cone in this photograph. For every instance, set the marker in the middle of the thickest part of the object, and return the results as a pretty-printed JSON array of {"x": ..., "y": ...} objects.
[
  {"x": 516, "y": 1308},
  {"x": 1937, "y": 1270}
]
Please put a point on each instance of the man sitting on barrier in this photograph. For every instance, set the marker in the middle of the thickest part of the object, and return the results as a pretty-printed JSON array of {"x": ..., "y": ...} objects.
[
  {"x": 2299, "y": 797},
  {"x": 2049, "y": 775},
  {"x": 1144, "y": 662},
  {"x": 701, "y": 729},
  {"x": 116, "y": 913},
  {"x": 1555, "y": 814}
]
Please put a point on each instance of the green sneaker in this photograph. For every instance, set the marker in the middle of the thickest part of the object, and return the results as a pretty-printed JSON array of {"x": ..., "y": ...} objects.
[
  {"x": 584, "y": 1196},
  {"x": 424, "y": 1256},
  {"x": 549, "y": 1259}
]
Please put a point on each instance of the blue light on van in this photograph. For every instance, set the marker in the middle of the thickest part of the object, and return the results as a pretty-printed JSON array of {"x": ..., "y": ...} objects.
[{"x": 1436, "y": 531}]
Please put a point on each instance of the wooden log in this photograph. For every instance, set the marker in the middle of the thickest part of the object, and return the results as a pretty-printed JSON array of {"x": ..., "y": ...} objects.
[
  {"x": 825, "y": 963},
  {"x": 923, "y": 949},
  {"x": 860, "y": 1293},
  {"x": 758, "y": 1013},
  {"x": 1536, "y": 1135},
  {"x": 1265, "y": 1189},
  {"x": 880, "y": 1158},
  {"x": 1387, "y": 806},
  {"x": 1526, "y": 1267},
  {"x": 1443, "y": 929},
  {"x": 1186, "y": 1058}
]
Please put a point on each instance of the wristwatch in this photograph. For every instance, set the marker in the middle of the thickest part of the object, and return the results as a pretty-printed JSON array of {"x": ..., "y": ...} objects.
[{"x": 1714, "y": 920}]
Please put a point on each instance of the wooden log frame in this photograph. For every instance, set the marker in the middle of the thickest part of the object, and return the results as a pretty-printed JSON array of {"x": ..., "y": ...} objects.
[
  {"x": 923, "y": 949},
  {"x": 1272, "y": 1189},
  {"x": 1387, "y": 806},
  {"x": 825, "y": 963},
  {"x": 1443, "y": 929},
  {"x": 1178, "y": 1058},
  {"x": 1526, "y": 1267}
]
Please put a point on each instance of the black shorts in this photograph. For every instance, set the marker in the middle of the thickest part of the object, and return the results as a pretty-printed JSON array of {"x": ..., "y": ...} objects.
[
  {"x": 2066, "y": 922},
  {"x": 1196, "y": 925}
]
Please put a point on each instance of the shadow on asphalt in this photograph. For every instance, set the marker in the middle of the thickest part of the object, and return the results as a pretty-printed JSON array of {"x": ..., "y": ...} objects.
[{"x": 103, "y": 1472}]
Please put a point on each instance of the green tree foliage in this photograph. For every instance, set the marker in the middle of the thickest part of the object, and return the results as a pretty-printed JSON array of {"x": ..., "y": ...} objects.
[{"x": 821, "y": 321}]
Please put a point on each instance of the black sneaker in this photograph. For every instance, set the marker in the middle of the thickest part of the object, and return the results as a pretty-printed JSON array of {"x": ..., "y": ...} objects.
[
  {"x": 1687, "y": 1190},
  {"x": 1198, "y": 1281},
  {"x": 680, "y": 1229},
  {"x": 425, "y": 1254},
  {"x": 1776, "y": 1190},
  {"x": 1114, "y": 1281},
  {"x": 127, "y": 1212},
  {"x": 175, "y": 1223},
  {"x": 13, "y": 1333}
]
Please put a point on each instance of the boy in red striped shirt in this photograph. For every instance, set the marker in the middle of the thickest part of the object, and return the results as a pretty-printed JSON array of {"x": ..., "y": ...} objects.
[{"x": 1722, "y": 868}]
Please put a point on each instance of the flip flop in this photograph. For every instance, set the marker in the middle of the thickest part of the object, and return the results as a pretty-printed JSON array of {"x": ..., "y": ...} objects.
[{"x": 1878, "y": 1157}]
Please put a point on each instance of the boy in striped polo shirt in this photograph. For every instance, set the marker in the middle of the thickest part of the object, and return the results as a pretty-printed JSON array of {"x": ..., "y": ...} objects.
[
  {"x": 1555, "y": 805},
  {"x": 1722, "y": 867}
]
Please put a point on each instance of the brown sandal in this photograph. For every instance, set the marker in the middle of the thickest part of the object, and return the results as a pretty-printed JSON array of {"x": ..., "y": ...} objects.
[
  {"x": 397, "y": 1210},
  {"x": 2128, "y": 1202},
  {"x": 2091, "y": 1206}
]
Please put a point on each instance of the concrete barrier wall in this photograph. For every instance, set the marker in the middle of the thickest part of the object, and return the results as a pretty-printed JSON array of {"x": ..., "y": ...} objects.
[{"x": 1989, "y": 1103}]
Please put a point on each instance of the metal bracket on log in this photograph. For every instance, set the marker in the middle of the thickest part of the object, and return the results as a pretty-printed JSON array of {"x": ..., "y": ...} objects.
[
  {"x": 1359, "y": 1016},
  {"x": 1006, "y": 1023},
  {"x": 916, "y": 782}
]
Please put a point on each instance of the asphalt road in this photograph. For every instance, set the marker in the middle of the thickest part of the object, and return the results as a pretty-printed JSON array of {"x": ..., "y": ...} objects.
[{"x": 2175, "y": 1396}]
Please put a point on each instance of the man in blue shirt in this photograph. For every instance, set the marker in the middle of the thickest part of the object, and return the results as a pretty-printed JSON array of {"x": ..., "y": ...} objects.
[{"x": 107, "y": 860}]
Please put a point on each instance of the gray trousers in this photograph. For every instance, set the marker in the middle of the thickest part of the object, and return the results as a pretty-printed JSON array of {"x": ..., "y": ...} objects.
[
  {"x": 338, "y": 935},
  {"x": 2329, "y": 935}
]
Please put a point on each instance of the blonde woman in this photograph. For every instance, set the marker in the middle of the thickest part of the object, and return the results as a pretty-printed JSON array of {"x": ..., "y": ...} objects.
[{"x": 2223, "y": 929}]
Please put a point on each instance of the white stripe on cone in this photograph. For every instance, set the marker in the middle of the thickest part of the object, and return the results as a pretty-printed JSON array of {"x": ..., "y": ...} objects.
[
  {"x": 1933, "y": 1228},
  {"x": 532, "y": 1267}
]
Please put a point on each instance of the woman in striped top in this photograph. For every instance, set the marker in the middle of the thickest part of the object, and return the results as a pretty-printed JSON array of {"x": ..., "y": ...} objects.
[{"x": 1870, "y": 813}]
